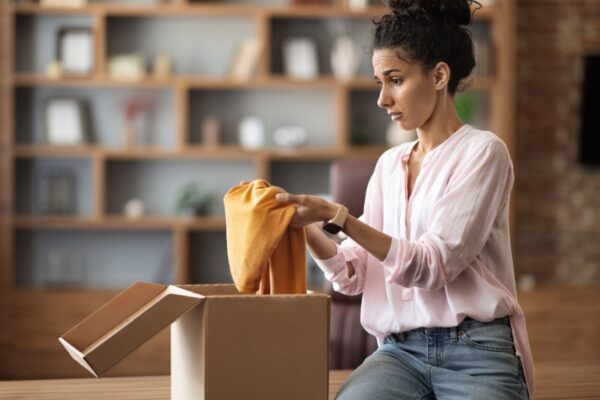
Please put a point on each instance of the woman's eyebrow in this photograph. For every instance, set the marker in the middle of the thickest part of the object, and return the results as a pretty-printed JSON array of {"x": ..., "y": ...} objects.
[{"x": 387, "y": 72}]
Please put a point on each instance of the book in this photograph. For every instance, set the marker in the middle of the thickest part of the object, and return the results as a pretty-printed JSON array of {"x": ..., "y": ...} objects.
[{"x": 245, "y": 60}]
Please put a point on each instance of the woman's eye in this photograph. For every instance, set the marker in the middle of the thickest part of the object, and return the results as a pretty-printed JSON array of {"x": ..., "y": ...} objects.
[
  {"x": 379, "y": 83},
  {"x": 396, "y": 81}
]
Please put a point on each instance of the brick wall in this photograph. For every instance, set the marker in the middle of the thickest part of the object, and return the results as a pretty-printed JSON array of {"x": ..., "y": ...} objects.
[{"x": 558, "y": 201}]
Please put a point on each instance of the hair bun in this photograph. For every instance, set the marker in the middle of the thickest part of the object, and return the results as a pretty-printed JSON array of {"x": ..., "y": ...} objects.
[{"x": 448, "y": 12}]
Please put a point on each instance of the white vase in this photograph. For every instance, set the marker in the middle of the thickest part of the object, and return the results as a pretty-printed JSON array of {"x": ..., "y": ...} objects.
[
  {"x": 344, "y": 58},
  {"x": 251, "y": 133},
  {"x": 300, "y": 58},
  {"x": 358, "y": 5}
]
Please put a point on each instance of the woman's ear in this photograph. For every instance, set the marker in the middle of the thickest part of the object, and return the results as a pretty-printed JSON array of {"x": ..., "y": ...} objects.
[{"x": 441, "y": 75}]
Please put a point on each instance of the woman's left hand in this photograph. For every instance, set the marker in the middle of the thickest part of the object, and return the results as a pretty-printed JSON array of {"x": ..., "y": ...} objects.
[{"x": 310, "y": 208}]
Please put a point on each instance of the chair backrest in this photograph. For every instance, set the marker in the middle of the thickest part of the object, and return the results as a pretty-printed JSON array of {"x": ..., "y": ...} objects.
[
  {"x": 350, "y": 344},
  {"x": 348, "y": 181}
]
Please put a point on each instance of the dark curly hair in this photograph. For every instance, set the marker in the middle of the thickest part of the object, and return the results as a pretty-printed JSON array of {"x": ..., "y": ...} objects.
[{"x": 430, "y": 31}]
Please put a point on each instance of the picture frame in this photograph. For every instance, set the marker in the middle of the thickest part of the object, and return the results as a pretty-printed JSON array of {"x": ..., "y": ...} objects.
[
  {"x": 64, "y": 121},
  {"x": 75, "y": 50},
  {"x": 56, "y": 191}
]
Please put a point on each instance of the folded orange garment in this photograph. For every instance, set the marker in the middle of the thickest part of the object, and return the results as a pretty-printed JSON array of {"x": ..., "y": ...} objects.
[{"x": 265, "y": 254}]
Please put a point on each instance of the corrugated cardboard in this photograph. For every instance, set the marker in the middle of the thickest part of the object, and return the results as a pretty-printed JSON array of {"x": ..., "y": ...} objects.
[{"x": 224, "y": 345}]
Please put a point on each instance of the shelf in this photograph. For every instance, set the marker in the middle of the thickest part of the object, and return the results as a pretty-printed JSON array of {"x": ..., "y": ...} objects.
[
  {"x": 47, "y": 151},
  {"x": 197, "y": 152},
  {"x": 118, "y": 222},
  {"x": 160, "y": 10},
  {"x": 270, "y": 82},
  {"x": 142, "y": 10},
  {"x": 324, "y": 11},
  {"x": 319, "y": 154},
  {"x": 193, "y": 152},
  {"x": 198, "y": 82},
  {"x": 25, "y": 80},
  {"x": 191, "y": 82}
]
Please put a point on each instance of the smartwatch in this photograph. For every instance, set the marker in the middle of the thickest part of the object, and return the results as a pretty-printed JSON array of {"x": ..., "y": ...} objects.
[{"x": 336, "y": 224}]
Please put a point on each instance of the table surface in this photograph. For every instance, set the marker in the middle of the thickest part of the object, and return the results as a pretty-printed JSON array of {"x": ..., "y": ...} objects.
[{"x": 572, "y": 380}]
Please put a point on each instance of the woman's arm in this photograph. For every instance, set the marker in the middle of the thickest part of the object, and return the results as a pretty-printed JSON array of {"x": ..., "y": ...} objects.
[
  {"x": 459, "y": 226},
  {"x": 312, "y": 209}
]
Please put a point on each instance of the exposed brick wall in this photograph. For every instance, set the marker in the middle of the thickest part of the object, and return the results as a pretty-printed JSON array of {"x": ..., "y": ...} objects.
[{"x": 558, "y": 200}]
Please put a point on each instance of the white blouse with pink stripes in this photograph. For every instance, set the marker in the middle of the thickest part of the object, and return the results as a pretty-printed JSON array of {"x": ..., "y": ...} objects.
[{"x": 450, "y": 255}]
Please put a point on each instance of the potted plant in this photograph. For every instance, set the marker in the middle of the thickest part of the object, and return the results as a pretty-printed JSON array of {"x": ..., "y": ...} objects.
[{"x": 192, "y": 201}]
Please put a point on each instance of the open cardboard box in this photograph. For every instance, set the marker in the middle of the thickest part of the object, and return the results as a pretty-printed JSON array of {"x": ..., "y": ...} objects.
[{"x": 224, "y": 345}]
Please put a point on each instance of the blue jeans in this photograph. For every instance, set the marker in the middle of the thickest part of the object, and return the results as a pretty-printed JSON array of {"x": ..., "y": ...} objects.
[{"x": 474, "y": 360}]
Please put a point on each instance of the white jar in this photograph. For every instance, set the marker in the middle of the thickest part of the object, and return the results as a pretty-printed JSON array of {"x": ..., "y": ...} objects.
[{"x": 251, "y": 133}]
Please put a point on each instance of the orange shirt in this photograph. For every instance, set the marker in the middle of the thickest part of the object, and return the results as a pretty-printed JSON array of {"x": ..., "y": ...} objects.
[{"x": 265, "y": 254}]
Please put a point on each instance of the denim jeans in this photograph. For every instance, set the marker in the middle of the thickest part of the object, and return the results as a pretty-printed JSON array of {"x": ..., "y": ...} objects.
[{"x": 474, "y": 360}]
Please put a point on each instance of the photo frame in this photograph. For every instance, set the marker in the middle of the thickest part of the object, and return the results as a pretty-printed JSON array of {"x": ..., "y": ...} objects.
[
  {"x": 56, "y": 191},
  {"x": 75, "y": 50},
  {"x": 64, "y": 121}
]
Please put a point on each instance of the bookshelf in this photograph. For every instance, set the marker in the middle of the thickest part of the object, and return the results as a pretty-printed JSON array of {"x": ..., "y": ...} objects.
[{"x": 184, "y": 250}]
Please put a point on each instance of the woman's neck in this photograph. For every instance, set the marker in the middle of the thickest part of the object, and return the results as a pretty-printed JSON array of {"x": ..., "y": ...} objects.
[{"x": 442, "y": 123}]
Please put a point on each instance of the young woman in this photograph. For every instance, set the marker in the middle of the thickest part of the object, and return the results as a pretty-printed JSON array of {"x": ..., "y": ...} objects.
[{"x": 431, "y": 253}]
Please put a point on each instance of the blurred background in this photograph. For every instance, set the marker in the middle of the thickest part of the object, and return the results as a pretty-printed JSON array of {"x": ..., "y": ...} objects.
[{"x": 124, "y": 122}]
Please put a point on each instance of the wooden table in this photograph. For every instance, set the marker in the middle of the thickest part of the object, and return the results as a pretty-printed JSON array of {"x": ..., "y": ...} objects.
[{"x": 568, "y": 381}]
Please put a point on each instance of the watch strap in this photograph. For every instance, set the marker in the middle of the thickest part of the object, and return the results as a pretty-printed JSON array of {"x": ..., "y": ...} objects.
[{"x": 340, "y": 216}]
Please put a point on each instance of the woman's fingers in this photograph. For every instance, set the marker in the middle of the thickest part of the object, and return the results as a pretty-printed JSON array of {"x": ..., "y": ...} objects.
[
  {"x": 245, "y": 182},
  {"x": 289, "y": 198}
]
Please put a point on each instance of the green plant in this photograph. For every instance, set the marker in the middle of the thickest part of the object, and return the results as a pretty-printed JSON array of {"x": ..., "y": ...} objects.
[
  {"x": 465, "y": 106},
  {"x": 191, "y": 200}
]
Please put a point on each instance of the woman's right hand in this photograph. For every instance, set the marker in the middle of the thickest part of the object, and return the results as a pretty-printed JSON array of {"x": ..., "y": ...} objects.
[{"x": 245, "y": 182}]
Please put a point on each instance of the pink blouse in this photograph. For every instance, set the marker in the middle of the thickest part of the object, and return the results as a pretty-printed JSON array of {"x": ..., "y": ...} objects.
[{"x": 450, "y": 255}]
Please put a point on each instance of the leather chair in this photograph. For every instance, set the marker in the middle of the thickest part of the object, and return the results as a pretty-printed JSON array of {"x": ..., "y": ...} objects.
[{"x": 350, "y": 344}]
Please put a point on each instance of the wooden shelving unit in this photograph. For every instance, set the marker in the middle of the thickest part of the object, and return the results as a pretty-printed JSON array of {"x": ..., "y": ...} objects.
[
  {"x": 104, "y": 162},
  {"x": 183, "y": 8}
]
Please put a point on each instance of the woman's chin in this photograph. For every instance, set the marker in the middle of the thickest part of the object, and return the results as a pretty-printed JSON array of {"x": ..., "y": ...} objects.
[{"x": 405, "y": 126}]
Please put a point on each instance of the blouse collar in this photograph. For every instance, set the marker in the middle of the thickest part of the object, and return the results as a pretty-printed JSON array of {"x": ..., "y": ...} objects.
[{"x": 433, "y": 153}]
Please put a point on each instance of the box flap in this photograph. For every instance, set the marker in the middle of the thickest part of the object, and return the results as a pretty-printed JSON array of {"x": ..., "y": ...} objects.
[{"x": 125, "y": 323}]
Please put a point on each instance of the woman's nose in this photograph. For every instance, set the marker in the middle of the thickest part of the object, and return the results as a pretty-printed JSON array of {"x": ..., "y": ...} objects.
[{"x": 384, "y": 99}]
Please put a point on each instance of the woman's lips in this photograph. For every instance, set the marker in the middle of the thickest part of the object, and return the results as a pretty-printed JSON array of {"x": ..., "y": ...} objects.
[{"x": 395, "y": 116}]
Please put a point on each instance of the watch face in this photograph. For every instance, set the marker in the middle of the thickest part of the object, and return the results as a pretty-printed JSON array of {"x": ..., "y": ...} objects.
[{"x": 331, "y": 228}]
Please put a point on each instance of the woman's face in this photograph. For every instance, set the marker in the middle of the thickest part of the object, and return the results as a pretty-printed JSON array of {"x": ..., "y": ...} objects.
[{"x": 407, "y": 92}]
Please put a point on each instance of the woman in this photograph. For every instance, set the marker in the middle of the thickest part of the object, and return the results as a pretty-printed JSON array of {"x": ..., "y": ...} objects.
[{"x": 431, "y": 252}]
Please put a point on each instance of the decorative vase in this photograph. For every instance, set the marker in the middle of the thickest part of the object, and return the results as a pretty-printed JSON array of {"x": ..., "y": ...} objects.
[
  {"x": 210, "y": 131},
  {"x": 358, "y": 5},
  {"x": 134, "y": 208},
  {"x": 163, "y": 66},
  {"x": 129, "y": 134},
  {"x": 251, "y": 133}
]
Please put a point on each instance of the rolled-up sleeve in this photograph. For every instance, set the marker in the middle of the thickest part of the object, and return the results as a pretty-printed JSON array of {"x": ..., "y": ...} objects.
[
  {"x": 335, "y": 268},
  {"x": 460, "y": 224}
]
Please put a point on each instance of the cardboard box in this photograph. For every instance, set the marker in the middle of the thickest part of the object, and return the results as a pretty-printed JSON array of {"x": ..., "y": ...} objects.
[{"x": 224, "y": 345}]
